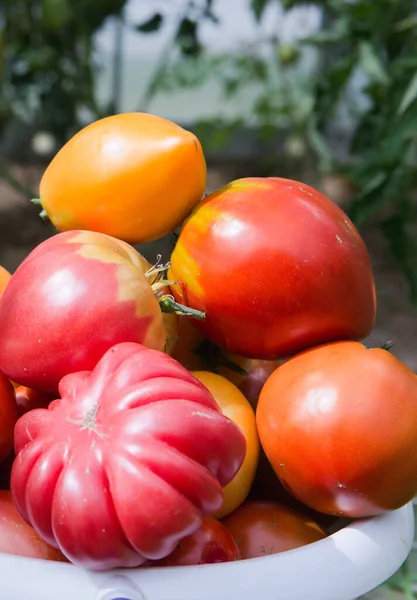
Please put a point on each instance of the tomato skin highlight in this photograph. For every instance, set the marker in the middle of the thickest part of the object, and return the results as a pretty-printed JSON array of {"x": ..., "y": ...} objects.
[
  {"x": 338, "y": 423},
  {"x": 72, "y": 298},
  {"x": 237, "y": 408},
  {"x": 211, "y": 543},
  {"x": 265, "y": 528},
  {"x": 276, "y": 266},
  {"x": 133, "y": 176},
  {"x": 126, "y": 463}
]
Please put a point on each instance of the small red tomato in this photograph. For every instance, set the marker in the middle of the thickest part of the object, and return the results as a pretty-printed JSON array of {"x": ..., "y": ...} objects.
[
  {"x": 338, "y": 424},
  {"x": 27, "y": 399},
  {"x": 263, "y": 528},
  {"x": 211, "y": 543},
  {"x": 18, "y": 538},
  {"x": 8, "y": 416},
  {"x": 276, "y": 267}
]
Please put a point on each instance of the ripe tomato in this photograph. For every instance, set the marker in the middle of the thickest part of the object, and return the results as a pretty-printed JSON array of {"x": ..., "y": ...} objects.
[
  {"x": 339, "y": 425},
  {"x": 27, "y": 399},
  {"x": 127, "y": 462},
  {"x": 8, "y": 416},
  {"x": 18, "y": 538},
  {"x": 255, "y": 374},
  {"x": 235, "y": 406},
  {"x": 134, "y": 176},
  {"x": 276, "y": 266},
  {"x": 4, "y": 278},
  {"x": 264, "y": 528},
  {"x": 77, "y": 294},
  {"x": 195, "y": 352},
  {"x": 211, "y": 543}
]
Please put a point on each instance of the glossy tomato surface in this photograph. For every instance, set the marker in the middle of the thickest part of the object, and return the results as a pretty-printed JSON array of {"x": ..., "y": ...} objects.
[
  {"x": 72, "y": 298},
  {"x": 339, "y": 425},
  {"x": 127, "y": 462},
  {"x": 264, "y": 528},
  {"x": 235, "y": 406},
  {"x": 134, "y": 176},
  {"x": 18, "y": 538},
  {"x": 8, "y": 416},
  {"x": 276, "y": 266},
  {"x": 211, "y": 543}
]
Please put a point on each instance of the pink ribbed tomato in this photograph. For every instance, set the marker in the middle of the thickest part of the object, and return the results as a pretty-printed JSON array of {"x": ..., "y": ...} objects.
[{"x": 127, "y": 462}]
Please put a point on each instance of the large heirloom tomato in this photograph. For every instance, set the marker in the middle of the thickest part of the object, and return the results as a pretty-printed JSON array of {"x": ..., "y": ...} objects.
[
  {"x": 134, "y": 176},
  {"x": 339, "y": 425},
  {"x": 127, "y": 462},
  {"x": 235, "y": 406},
  {"x": 211, "y": 543},
  {"x": 264, "y": 528},
  {"x": 8, "y": 416},
  {"x": 18, "y": 538},
  {"x": 75, "y": 295},
  {"x": 276, "y": 266}
]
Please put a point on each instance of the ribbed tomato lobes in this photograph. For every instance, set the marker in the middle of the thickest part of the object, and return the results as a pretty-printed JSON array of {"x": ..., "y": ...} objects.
[
  {"x": 127, "y": 462},
  {"x": 72, "y": 298},
  {"x": 276, "y": 266}
]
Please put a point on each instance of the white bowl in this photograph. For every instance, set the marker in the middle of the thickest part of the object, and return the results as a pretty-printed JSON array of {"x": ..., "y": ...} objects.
[{"x": 343, "y": 566}]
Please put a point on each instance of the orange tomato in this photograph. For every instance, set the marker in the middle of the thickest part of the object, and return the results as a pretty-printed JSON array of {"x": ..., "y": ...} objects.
[
  {"x": 134, "y": 176},
  {"x": 4, "y": 278},
  {"x": 188, "y": 342},
  {"x": 235, "y": 406}
]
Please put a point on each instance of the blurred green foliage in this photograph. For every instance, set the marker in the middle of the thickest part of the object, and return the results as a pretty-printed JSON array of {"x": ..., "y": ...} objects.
[
  {"x": 361, "y": 63},
  {"x": 47, "y": 62}
]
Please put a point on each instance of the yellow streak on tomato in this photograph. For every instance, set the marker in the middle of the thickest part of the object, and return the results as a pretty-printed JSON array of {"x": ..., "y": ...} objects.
[
  {"x": 234, "y": 405},
  {"x": 189, "y": 269},
  {"x": 132, "y": 284}
]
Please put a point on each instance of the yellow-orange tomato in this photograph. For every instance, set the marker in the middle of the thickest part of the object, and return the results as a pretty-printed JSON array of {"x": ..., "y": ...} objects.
[
  {"x": 134, "y": 176},
  {"x": 4, "y": 278},
  {"x": 235, "y": 406}
]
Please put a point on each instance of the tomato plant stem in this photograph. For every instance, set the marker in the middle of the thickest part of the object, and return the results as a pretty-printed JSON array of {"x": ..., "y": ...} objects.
[{"x": 169, "y": 305}]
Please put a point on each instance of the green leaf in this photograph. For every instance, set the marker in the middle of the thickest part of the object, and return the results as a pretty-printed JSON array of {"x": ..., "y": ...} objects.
[
  {"x": 187, "y": 37},
  {"x": 335, "y": 35},
  {"x": 371, "y": 64},
  {"x": 409, "y": 96},
  {"x": 258, "y": 7},
  {"x": 151, "y": 25},
  {"x": 319, "y": 145}
]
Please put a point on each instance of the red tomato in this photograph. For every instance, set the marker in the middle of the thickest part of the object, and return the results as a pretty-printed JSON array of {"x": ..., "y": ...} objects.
[
  {"x": 75, "y": 295},
  {"x": 339, "y": 425},
  {"x": 8, "y": 416},
  {"x": 127, "y": 462},
  {"x": 27, "y": 399},
  {"x": 134, "y": 176},
  {"x": 276, "y": 266},
  {"x": 211, "y": 543},
  {"x": 264, "y": 528},
  {"x": 17, "y": 537}
]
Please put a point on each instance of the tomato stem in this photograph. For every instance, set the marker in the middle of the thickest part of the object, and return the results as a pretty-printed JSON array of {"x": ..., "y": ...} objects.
[
  {"x": 169, "y": 305},
  {"x": 36, "y": 201}
]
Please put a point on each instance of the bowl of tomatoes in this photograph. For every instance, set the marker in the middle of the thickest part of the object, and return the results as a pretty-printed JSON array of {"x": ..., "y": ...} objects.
[{"x": 212, "y": 424}]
